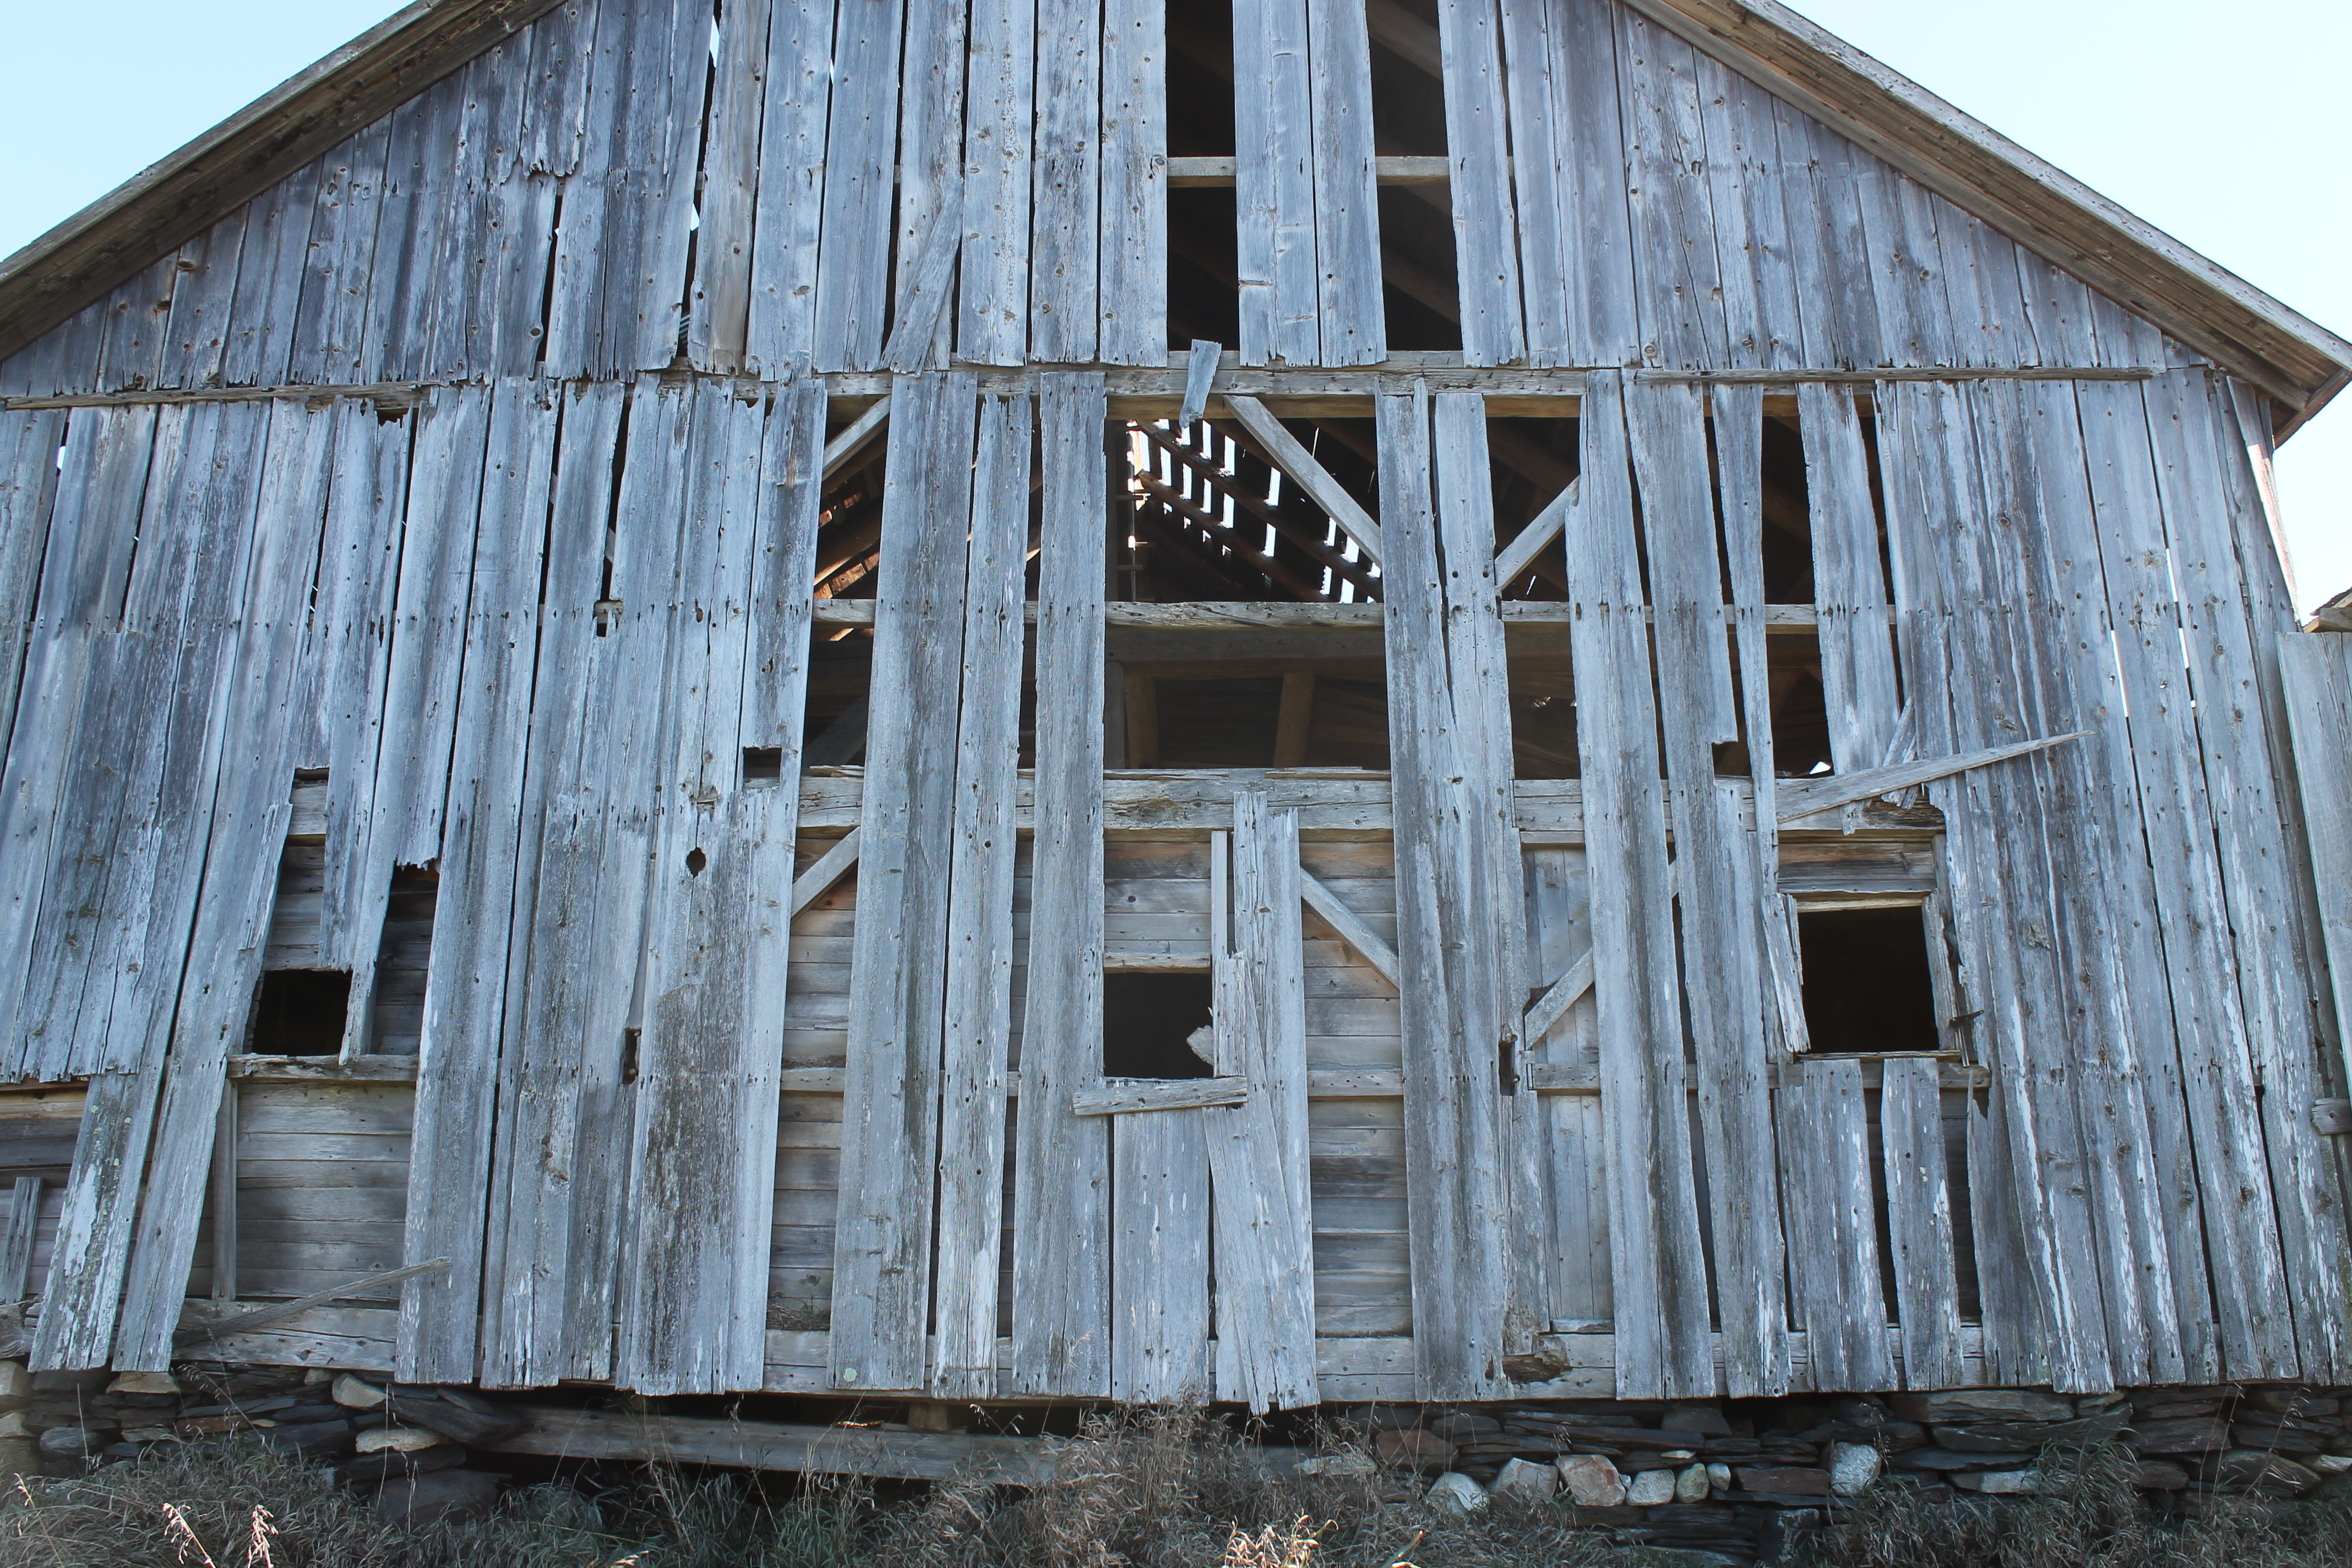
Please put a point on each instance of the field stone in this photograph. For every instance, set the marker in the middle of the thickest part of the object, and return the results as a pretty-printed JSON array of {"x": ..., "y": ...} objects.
[
  {"x": 1704, "y": 1419},
  {"x": 1590, "y": 1480},
  {"x": 1409, "y": 1449},
  {"x": 2193, "y": 1434},
  {"x": 355, "y": 1394},
  {"x": 1524, "y": 1482},
  {"x": 2157, "y": 1476},
  {"x": 73, "y": 1442},
  {"x": 1718, "y": 1477},
  {"x": 143, "y": 1383},
  {"x": 2329, "y": 1464},
  {"x": 2009, "y": 1483},
  {"x": 418, "y": 1501},
  {"x": 1335, "y": 1465},
  {"x": 1454, "y": 1493},
  {"x": 2002, "y": 1436},
  {"x": 1651, "y": 1488},
  {"x": 1691, "y": 1486},
  {"x": 401, "y": 1439},
  {"x": 1963, "y": 1406},
  {"x": 2250, "y": 1468},
  {"x": 1853, "y": 1466},
  {"x": 1945, "y": 1459}
]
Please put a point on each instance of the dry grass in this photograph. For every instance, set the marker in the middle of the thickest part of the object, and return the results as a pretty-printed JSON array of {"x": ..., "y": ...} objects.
[
  {"x": 1154, "y": 1491},
  {"x": 2087, "y": 1516}
]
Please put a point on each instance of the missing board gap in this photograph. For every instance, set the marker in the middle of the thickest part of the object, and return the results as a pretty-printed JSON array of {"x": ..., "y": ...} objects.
[
  {"x": 1868, "y": 990},
  {"x": 300, "y": 1012},
  {"x": 1149, "y": 1018}
]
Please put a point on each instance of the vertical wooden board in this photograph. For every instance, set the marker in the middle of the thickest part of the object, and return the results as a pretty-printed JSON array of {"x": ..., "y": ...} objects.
[
  {"x": 1064, "y": 300},
  {"x": 1985, "y": 289},
  {"x": 2258, "y": 858},
  {"x": 138, "y": 312},
  {"x": 2010, "y": 1324},
  {"x": 1274, "y": 182},
  {"x": 1264, "y": 1253},
  {"x": 84, "y": 1286},
  {"x": 1349, "y": 300},
  {"x": 661, "y": 142},
  {"x": 481, "y": 891},
  {"x": 906, "y": 837},
  {"x": 1964, "y": 634},
  {"x": 151, "y": 907},
  {"x": 992, "y": 322},
  {"x": 101, "y": 472},
  {"x": 1762, "y": 317},
  {"x": 1541, "y": 172},
  {"x": 1837, "y": 309},
  {"x": 1455, "y": 1021},
  {"x": 2127, "y": 1088},
  {"x": 1061, "y": 1240},
  {"x": 260, "y": 721},
  {"x": 930, "y": 183},
  {"x": 401, "y": 299},
  {"x": 359, "y": 570},
  {"x": 978, "y": 956},
  {"x": 1604, "y": 326},
  {"x": 269, "y": 281},
  {"x": 1658, "y": 1273},
  {"x": 2316, "y": 670},
  {"x": 718, "y": 309},
  {"x": 2058, "y": 309},
  {"x": 1679, "y": 285},
  {"x": 702, "y": 1166},
  {"x": 196, "y": 335},
  {"x": 1159, "y": 1259},
  {"x": 781, "y": 324},
  {"x": 1919, "y": 1225},
  {"x": 858, "y": 156},
  {"x": 17, "y": 1247},
  {"x": 1858, "y": 676},
  {"x": 1477, "y": 140},
  {"x": 2241, "y": 1226},
  {"x": 1898, "y": 229},
  {"x": 557, "y": 72},
  {"x": 1134, "y": 255},
  {"x": 1836, "y": 1272},
  {"x": 331, "y": 318},
  {"x": 556, "y": 1180},
  {"x": 579, "y": 264},
  {"x": 29, "y": 444},
  {"x": 1722, "y": 981}
]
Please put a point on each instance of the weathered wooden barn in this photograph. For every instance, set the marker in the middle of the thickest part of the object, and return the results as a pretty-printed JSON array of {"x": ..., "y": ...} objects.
[{"x": 1326, "y": 699}]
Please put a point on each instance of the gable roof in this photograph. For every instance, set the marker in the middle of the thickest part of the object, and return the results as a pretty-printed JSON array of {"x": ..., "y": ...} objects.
[{"x": 2201, "y": 304}]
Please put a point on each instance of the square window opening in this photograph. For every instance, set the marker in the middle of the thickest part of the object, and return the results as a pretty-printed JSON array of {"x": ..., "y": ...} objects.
[
  {"x": 1867, "y": 986},
  {"x": 1149, "y": 1018},
  {"x": 300, "y": 1012}
]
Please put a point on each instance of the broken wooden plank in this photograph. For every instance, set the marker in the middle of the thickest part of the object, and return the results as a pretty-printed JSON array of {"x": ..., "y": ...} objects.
[
  {"x": 858, "y": 159},
  {"x": 1858, "y": 679},
  {"x": 1061, "y": 1247},
  {"x": 1832, "y": 1224},
  {"x": 1313, "y": 477},
  {"x": 1257, "y": 1148},
  {"x": 2316, "y": 672},
  {"x": 205, "y": 1330},
  {"x": 1121, "y": 1096},
  {"x": 1800, "y": 798},
  {"x": 16, "y": 1247},
  {"x": 814, "y": 1450}
]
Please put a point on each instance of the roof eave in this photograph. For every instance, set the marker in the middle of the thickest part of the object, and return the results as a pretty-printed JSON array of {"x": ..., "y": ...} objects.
[
  {"x": 2203, "y": 305},
  {"x": 179, "y": 196}
]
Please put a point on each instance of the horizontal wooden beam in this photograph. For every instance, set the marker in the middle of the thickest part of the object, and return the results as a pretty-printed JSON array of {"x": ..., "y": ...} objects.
[
  {"x": 1125, "y": 1096},
  {"x": 1218, "y": 172},
  {"x": 872, "y": 1451},
  {"x": 1221, "y": 616},
  {"x": 324, "y": 1069}
]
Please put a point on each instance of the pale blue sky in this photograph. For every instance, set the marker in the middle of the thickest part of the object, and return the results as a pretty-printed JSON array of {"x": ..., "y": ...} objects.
[{"x": 2222, "y": 127}]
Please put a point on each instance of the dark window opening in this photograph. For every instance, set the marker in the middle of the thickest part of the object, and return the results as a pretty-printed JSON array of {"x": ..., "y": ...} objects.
[
  {"x": 1800, "y": 715},
  {"x": 1211, "y": 518},
  {"x": 402, "y": 958},
  {"x": 763, "y": 764},
  {"x": 300, "y": 1012},
  {"x": 1147, "y": 1019},
  {"x": 841, "y": 674},
  {"x": 1867, "y": 987}
]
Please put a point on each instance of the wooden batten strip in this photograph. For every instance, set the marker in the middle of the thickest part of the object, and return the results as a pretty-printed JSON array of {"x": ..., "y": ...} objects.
[
  {"x": 827, "y": 870},
  {"x": 1062, "y": 1247},
  {"x": 1313, "y": 477},
  {"x": 1557, "y": 998},
  {"x": 1120, "y": 1097},
  {"x": 1351, "y": 928}
]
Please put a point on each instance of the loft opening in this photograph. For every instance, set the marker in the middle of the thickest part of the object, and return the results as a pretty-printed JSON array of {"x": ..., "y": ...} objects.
[
  {"x": 1869, "y": 981},
  {"x": 1150, "y": 1017}
]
